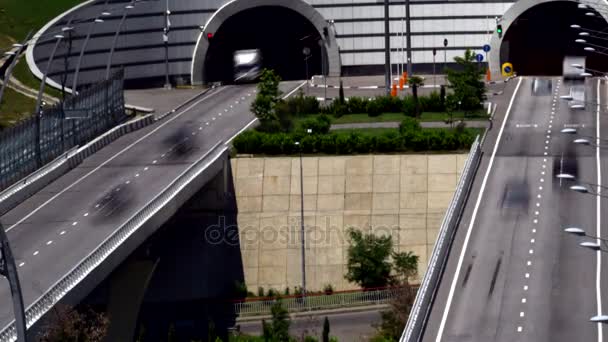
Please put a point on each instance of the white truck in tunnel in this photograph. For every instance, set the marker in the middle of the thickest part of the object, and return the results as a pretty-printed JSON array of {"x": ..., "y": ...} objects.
[
  {"x": 247, "y": 65},
  {"x": 573, "y": 67}
]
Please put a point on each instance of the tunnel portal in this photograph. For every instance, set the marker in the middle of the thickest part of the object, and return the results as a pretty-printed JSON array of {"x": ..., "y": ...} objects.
[{"x": 279, "y": 32}]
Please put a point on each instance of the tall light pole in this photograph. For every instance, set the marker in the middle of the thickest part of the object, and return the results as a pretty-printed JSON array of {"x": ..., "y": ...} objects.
[
  {"x": 66, "y": 60},
  {"x": 302, "y": 230},
  {"x": 166, "y": 41},
  {"x": 409, "y": 37},
  {"x": 387, "y": 48},
  {"x": 8, "y": 269},
  {"x": 97, "y": 20},
  {"x": 118, "y": 29},
  {"x": 9, "y": 71}
]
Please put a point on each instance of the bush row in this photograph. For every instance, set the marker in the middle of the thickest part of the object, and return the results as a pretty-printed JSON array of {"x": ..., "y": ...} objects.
[
  {"x": 302, "y": 105},
  {"x": 254, "y": 142}
]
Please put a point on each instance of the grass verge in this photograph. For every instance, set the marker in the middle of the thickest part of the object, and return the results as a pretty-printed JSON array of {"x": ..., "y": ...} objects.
[
  {"x": 398, "y": 117},
  {"x": 14, "y": 108}
]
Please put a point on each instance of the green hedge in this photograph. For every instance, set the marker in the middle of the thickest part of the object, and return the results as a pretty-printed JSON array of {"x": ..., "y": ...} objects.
[
  {"x": 385, "y": 104},
  {"x": 409, "y": 138}
]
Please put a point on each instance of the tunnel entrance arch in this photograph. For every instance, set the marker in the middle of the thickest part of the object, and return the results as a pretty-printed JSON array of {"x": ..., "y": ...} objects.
[
  {"x": 537, "y": 35},
  {"x": 201, "y": 61}
]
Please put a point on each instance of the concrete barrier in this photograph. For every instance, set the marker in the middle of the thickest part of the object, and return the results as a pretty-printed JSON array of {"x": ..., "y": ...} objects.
[
  {"x": 428, "y": 288},
  {"x": 28, "y": 186}
]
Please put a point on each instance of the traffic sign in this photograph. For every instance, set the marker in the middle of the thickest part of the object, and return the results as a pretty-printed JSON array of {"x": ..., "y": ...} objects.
[
  {"x": 486, "y": 48},
  {"x": 479, "y": 57},
  {"x": 507, "y": 69}
]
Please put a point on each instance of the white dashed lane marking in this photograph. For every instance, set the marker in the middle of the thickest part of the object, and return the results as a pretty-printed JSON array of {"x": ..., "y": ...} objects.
[
  {"x": 21, "y": 264},
  {"x": 62, "y": 232},
  {"x": 36, "y": 253},
  {"x": 74, "y": 223},
  {"x": 49, "y": 242}
]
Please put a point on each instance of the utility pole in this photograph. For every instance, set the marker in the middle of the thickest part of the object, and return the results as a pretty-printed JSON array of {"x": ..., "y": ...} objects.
[
  {"x": 387, "y": 48},
  {"x": 408, "y": 37},
  {"x": 8, "y": 269},
  {"x": 166, "y": 41}
]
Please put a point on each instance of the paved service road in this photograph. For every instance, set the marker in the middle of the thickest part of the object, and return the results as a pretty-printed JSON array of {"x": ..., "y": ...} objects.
[
  {"x": 513, "y": 274},
  {"x": 348, "y": 326},
  {"x": 56, "y": 228}
]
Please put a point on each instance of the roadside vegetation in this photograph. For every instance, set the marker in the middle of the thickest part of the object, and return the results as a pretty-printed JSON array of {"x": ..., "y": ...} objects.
[
  {"x": 17, "y": 18},
  {"x": 302, "y": 124}
]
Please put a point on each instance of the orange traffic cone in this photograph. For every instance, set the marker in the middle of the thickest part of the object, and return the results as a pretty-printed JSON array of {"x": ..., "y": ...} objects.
[
  {"x": 394, "y": 90},
  {"x": 401, "y": 83},
  {"x": 488, "y": 75},
  {"x": 405, "y": 77}
]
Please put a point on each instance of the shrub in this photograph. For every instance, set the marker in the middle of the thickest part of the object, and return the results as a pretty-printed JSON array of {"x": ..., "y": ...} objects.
[
  {"x": 300, "y": 105},
  {"x": 388, "y": 104},
  {"x": 432, "y": 103},
  {"x": 374, "y": 108},
  {"x": 408, "y": 106},
  {"x": 409, "y": 125},
  {"x": 319, "y": 125},
  {"x": 357, "y": 105},
  {"x": 328, "y": 289},
  {"x": 260, "y": 291}
]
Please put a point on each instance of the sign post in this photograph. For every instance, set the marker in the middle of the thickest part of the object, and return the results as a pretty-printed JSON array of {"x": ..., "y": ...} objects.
[{"x": 486, "y": 49}]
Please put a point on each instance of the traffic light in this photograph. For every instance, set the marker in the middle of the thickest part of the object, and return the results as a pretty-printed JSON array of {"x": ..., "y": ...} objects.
[
  {"x": 499, "y": 30},
  {"x": 209, "y": 36}
]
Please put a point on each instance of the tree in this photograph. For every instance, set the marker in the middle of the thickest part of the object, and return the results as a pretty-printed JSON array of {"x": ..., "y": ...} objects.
[
  {"x": 467, "y": 82},
  {"x": 268, "y": 95},
  {"x": 368, "y": 259},
  {"x": 326, "y": 330},
  {"x": 278, "y": 329},
  {"x": 405, "y": 266},
  {"x": 394, "y": 319},
  {"x": 341, "y": 93},
  {"x": 415, "y": 82},
  {"x": 71, "y": 326}
]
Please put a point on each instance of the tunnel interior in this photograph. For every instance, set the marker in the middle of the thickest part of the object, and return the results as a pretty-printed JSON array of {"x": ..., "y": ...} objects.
[
  {"x": 538, "y": 40},
  {"x": 280, "y": 33}
]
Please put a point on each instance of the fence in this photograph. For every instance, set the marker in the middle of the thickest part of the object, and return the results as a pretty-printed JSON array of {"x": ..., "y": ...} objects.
[
  {"x": 42, "y": 138},
  {"x": 426, "y": 293},
  {"x": 316, "y": 302}
]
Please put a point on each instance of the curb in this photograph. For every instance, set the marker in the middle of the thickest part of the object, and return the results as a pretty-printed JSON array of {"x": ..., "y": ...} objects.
[
  {"x": 373, "y": 307},
  {"x": 36, "y": 181}
]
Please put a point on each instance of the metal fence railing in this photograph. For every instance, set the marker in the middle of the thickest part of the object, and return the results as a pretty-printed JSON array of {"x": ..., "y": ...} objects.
[
  {"x": 258, "y": 307},
  {"x": 426, "y": 293},
  {"x": 44, "y": 137}
]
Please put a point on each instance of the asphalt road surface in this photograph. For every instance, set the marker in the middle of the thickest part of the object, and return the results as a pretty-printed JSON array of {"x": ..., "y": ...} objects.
[
  {"x": 350, "y": 326},
  {"x": 56, "y": 228},
  {"x": 513, "y": 274}
]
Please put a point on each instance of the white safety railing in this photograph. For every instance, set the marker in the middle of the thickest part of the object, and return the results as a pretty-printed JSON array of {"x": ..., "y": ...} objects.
[
  {"x": 426, "y": 293},
  {"x": 66, "y": 283},
  {"x": 316, "y": 302}
]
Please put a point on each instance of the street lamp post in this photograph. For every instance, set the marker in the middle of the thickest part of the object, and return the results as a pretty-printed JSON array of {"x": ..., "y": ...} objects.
[
  {"x": 115, "y": 40},
  {"x": 445, "y": 54},
  {"x": 166, "y": 41},
  {"x": 66, "y": 60},
  {"x": 8, "y": 269},
  {"x": 306, "y": 52},
  {"x": 97, "y": 20},
  {"x": 302, "y": 230}
]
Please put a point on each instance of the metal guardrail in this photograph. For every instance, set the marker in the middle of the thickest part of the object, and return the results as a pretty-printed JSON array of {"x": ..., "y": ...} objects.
[
  {"x": 426, "y": 293},
  {"x": 316, "y": 302},
  {"x": 56, "y": 292}
]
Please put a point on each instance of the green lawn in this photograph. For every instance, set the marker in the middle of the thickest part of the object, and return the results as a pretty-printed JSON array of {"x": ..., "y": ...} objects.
[
  {"x": 398, "y": 117},
  {"x": 18, "y": 17},
  {"x": 14, "y": 108},
  {"x": 23, "y": 74},
  {"x": 369, "y": 131}
]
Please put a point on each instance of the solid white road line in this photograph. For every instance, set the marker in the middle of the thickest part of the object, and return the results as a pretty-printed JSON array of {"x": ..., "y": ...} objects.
[
  {"x": 241, "y": 131},
  {"x": 598, "y": 270},
  {"x": 474, "y": 216},
  {"x": 112, "y": 158},
  {"x": 293, "y": 91}
]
